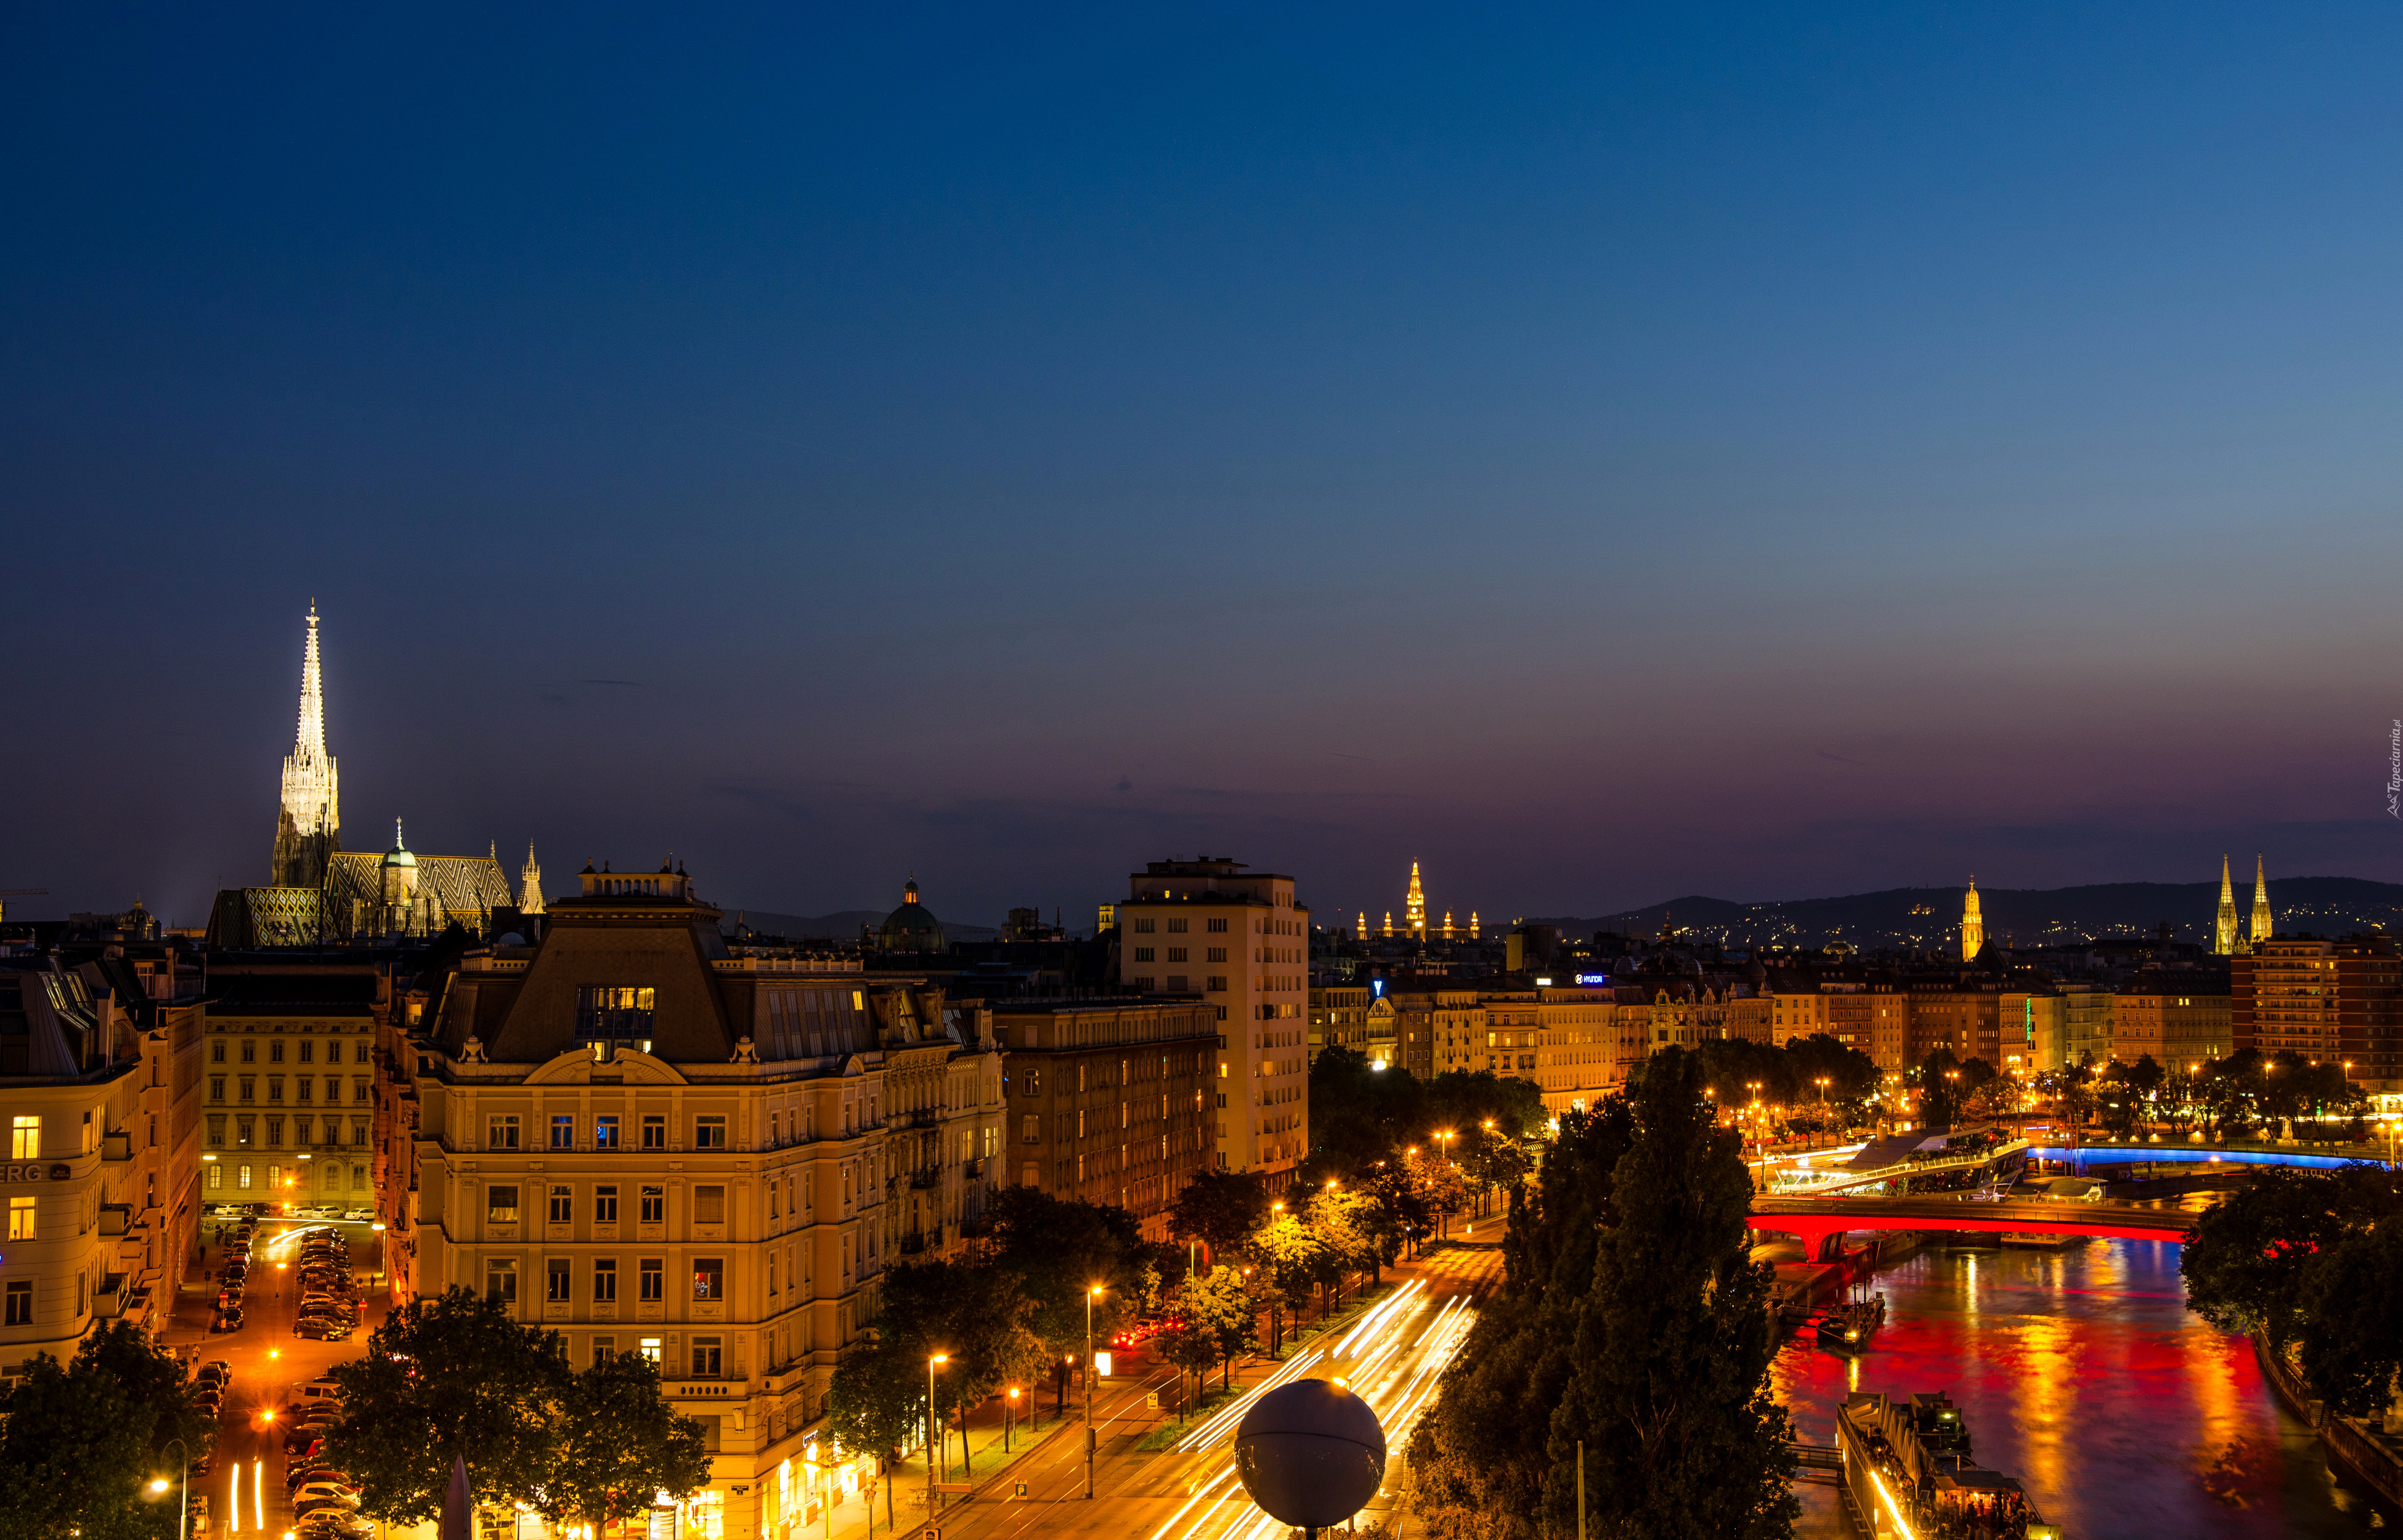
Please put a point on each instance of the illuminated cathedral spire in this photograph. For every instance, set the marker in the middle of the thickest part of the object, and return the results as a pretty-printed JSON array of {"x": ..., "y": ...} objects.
[
  {"x": 1414, "y": 908},
  {"x": 308, "y": 822},
  {"x": 1472, "y": 925},
  {"x": 530, "y": 884},
  {"x": 1973, "y": 925},
  {"x": 2261, "y": 925},
  {"x": 2223, "y": 931}
]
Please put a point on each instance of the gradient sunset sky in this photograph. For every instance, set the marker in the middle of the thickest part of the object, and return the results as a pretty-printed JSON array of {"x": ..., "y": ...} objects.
[{"x": 1603, "y": 454}]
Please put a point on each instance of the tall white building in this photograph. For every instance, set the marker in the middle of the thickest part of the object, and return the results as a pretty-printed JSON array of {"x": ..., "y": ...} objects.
[{"x": 1241, "y": 942}]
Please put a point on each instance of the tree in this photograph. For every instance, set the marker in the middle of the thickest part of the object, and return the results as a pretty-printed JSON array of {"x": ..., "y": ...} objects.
[
  {"x": 72, "y": 1457},
  {"x": 1220, "y": 1209},
  {"x": 1057, "y": 1248},
  {"x": 445, "y": 1378},
  {"x": 1192, "y": 1348},
  {"x": 974, "y": 1314},
  {"x": 1289, "y": 1249},
  {"x": 1218, "y": 1304},
  {"x": 875, "y": 1403},
  {"x": 2278, "y": 1259},
  {"x": 1479, "y": 1475},
  {"x": 621, "y": 1446},
  {"x": 154, "y": 1384},
  {"x": 1670, "y": 1389}
]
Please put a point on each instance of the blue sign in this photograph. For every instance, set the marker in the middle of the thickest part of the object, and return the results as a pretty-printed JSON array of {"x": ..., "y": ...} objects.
[{"x": 1594, "y": 978}]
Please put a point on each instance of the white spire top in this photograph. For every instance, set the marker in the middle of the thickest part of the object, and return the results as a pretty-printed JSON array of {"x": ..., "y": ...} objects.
[{"x": 310, "y": 745}]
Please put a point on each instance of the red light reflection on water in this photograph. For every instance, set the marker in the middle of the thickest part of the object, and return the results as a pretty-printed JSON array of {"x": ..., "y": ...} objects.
[{"x": 2081, "y": 1372}]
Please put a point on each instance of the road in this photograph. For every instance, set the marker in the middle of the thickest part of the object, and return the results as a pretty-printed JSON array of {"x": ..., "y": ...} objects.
[
  {"x": 269, "y": 1363},
  {"x": 1394, "y": 1356}
]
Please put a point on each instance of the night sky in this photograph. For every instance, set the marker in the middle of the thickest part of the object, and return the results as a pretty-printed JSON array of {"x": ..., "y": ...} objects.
[{"x": 1603, "y": 455}]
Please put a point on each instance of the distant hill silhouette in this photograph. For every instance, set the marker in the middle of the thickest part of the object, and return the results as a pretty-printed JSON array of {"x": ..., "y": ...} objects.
[
  {"x": 841, "y": 925},
  {"x": 2328, "y": 906}
]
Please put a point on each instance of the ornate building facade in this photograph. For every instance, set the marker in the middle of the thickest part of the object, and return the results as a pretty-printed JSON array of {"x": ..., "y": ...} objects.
[{"x": 652, "y": 1143}]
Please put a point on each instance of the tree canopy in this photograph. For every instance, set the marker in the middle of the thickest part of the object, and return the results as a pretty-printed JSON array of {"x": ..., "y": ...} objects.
[{"x": 1632, "y": 1319}]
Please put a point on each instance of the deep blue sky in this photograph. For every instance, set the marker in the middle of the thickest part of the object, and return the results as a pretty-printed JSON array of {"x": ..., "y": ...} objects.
[{"x": 1761, "y": 451}]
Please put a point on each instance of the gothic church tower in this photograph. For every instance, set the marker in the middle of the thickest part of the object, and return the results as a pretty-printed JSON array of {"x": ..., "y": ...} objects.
[
  {"x": 1415, "y": 907},
  {"x": 2223, "y": 931},
  {"x": 1973, "y": 925},
  {"x": 308, "y": 825},
  {"x": 2261, "y": 927}
]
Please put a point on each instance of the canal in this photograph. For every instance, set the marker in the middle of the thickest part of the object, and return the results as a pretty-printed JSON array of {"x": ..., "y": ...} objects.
[{"x": 2081, "y": 1372}]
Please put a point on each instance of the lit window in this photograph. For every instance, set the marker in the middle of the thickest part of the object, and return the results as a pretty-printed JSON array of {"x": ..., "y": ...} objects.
[
  {"x": 25, "y": 1138},
  {"x": 20, "y": 1218}
]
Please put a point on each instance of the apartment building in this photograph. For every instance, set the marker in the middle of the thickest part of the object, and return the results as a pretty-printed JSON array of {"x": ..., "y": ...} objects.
[
  {"x": 1440, "y": 1029},
  {"x": 651, "y": 1143},
  {"x": 2085, "y": 1025},
  {"x": 290, "y": 1101},
  {"x": 1240, "y": 941},
  {"x": 1112, "y": 1100},
  {"x": 2180, "y": 1019},
  {"x": 1338, "y": 1017},
  {"x": 99, "y": 1082},
  {"x": 2337, "y": 1000}
]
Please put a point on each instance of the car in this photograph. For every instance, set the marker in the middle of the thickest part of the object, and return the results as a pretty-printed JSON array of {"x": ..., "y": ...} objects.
[
  {"x": 332, "y": 1491},
  {"x": 227, "y": 1320},
  {"x": 361, "y": 1216},
  {"x": 216, "y": 1370}
]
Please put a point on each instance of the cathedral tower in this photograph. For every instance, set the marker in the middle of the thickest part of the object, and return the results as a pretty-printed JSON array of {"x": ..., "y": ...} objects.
[
  {"x": 308, "y": 825},
  {"x": 1414, "y": 908},
  {"x": 530, "y": 884},
  {"x": 2261, "y": 925},
  {"x": 2223, "y": 933},
  {"x": 1973, "y": 925}
]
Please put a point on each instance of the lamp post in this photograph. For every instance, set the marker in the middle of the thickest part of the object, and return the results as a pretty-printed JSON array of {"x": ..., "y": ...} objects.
[
  {"x": 1091, "y": 1294},
  {"x": 1008, "y": 1419},
  {"x": 183, "y": 1486},
  {"x": 934, "y": 1434},
  {"x": 1823, "y": 1103}
]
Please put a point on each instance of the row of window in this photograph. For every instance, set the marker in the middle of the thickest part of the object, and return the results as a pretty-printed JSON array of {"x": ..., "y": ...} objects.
[
  {"x": 283, "y": 1179},
  {"x": 247, "y": 1130},
  {"x": 304, "y": 1088},
  {"x": 1176, "y": 927},
  {"x": 1178, "y": 954},
  {"x": 307, "y": 1054}
]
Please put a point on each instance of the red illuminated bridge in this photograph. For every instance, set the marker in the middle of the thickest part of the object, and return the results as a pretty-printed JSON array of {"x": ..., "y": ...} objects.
[{"x": 1818, "y": 1221}]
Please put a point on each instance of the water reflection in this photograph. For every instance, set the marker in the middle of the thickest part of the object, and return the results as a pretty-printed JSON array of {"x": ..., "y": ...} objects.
[{"x": 2082, "y": 1373}]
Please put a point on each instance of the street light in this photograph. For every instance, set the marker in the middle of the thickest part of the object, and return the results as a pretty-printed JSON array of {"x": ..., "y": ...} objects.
[
  {"x": 933, "y": 1433},
  {"x": 1091, "y": 1294},
  {"x": 183, "y": 1486},
  {"x": 1010, "y": 1418}
]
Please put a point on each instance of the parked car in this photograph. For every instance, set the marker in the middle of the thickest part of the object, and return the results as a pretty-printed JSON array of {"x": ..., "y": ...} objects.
[
  {"x": 229, "y": 1318},
  {"x": 215, "y": 1370}
]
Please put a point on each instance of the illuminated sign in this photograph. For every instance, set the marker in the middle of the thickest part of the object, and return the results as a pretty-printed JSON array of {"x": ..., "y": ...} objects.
[
  {"x": 1594, "y": 978},
  {"x": 1101, "y": 1365}
]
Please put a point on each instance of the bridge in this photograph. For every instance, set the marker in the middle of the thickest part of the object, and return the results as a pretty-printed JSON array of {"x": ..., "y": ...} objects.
[{"x": 1819, "y": 1222}]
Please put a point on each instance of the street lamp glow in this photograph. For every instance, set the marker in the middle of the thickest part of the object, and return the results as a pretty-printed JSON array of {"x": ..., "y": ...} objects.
[{"x": 159, "y": 1483}]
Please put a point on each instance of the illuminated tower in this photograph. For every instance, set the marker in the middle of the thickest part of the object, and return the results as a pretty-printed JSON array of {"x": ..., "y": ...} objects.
[
  {"x": 1472, "y": 925},
  {"x": 1447, "y": 926},
  {"x": 1973, "y": 925},
  {"x": 530, "y": 884},
  {"x": 1414, "y": 908},
  {"x": 307, "y": 825},
  {"x": 1363, "y": 932},
  {"x": 1389, "y": 925},
  {"x": 2261, "y": 929},
  {"x": 2223, "y": 935}
]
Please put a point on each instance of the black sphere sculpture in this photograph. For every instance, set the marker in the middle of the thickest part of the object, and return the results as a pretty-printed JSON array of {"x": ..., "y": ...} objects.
[{"x": 1310, "y": 1454}]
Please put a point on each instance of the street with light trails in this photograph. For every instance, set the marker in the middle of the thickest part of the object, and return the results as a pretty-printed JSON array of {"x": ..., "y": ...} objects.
[{"x": 1393, "y": 1355}]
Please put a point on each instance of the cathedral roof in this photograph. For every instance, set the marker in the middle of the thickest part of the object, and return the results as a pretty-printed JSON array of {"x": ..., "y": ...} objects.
[{"x": 913, "y": 927}]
